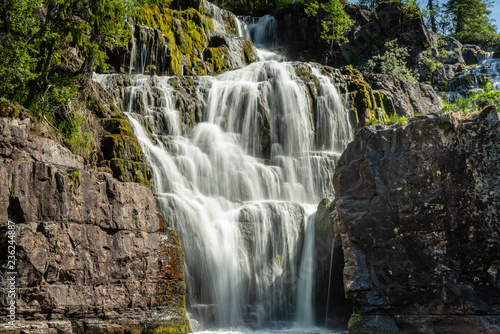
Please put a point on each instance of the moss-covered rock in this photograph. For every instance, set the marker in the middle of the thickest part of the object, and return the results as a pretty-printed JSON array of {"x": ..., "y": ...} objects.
[
  {"x": 122, "y": 147},
  {"x": 217, "y": 58},
  {"x": 382, "y": 101},
  {"x": 361, "y": 100},
  {"x": 120, "y": 150},
  {"x": 186, "y": 34},
  {"x": 130, "y": 171}
]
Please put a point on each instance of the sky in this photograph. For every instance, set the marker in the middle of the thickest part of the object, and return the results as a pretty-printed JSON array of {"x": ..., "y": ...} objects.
[{"x": 495, "y": 13}]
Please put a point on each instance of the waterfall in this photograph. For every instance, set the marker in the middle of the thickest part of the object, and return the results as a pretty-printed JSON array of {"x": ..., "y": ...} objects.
[
  {"x": 240, "y": 187},
  {"x": 263, "y": 33},
  {"x": 488, "y": 69},
  {"x": 305, "y": 313}
]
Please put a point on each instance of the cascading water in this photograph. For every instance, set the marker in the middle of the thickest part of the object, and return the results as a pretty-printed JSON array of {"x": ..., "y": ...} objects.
[
  {"x": 241, "y": 187},
  {"x": 488, "y": 69}
]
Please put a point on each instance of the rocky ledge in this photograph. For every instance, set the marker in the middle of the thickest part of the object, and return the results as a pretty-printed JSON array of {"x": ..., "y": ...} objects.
[
  {"x": 92, "y": 253},
  {"x": 417, "y": 214}
]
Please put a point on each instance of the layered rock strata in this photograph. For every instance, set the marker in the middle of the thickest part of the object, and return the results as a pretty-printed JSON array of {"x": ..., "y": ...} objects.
[{"x": 92, "y": 254}]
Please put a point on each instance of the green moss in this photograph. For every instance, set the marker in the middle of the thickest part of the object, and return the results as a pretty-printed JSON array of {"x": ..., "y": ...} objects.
[
  {"x": 74, "y": 177},
  {"x": 352, "y": 72},
  {"x": 122, "y": 147},
  {"x": 248, "y": 54},
  {"x": 130, "y": 171},
  {"x": 168, "y": 329},
  {"x": 361, "y": 100},
  {"x": 117, "y": 126},
  {"x": 303, "y": 71},
  {"x": 383, "y": 102},
  {"x": 12, "y": 190},
  {"x": 187, "y": 34},
  {"x": 217, "y": 59}
]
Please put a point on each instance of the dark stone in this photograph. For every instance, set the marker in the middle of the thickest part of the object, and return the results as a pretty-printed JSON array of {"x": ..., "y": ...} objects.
[
  {"x": 418, "y": 217},
  {"x": 469, "y": 53}
]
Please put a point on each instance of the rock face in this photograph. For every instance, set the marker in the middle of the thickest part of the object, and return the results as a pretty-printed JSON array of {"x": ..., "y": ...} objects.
[
  {"x": 93, "y": 254},
  {"x": 183, "y": 42},
  {"x": 375, "y": 96},
  {"x": 419, "y": 222}
]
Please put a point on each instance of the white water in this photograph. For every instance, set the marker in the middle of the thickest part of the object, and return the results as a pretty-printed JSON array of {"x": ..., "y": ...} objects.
[
  {"x": 241, "y": 188},
  {"x": 474, "y": 79}
]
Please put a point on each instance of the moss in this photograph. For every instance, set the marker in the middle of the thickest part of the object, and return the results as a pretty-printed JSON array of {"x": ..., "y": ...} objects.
[
  {"x": 122, "y": 147},
  {"x": 303, "y": 71},
  {"x": 130, "y": 171},
  {"x": 198, "y": 68},
  {"x": 361, "y": 100},
  {"x": 352, "y": 72},
  {"x": 9, "y": 109},
  {"x": 74, "y": 178},
  {"x": 166, "y": 328},
  {"x": 187, "y": 33},
  {"x": 117, "y": 126},
  {"x": 217, "y": 59},
  {"x": 382, "y": 101},
  {"x": 248, "y": 54}
]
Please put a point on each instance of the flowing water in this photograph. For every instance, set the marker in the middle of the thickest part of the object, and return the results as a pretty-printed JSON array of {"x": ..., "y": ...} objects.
[
  {"x": 241, "y": 187},
  {"x": 488, "y": 69}
]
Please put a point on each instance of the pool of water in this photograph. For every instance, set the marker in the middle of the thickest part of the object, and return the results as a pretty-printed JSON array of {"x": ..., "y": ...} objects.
[{"x": 291, "y": 330}]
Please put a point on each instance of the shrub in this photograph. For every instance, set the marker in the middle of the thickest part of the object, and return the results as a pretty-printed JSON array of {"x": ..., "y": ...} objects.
[{"x": 393, "y": 61}]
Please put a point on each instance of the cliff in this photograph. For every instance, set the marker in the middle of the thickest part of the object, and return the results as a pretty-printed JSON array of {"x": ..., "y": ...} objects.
[
  {"x": 416, "y": 210},
  {"x": 92, "y": 254}
]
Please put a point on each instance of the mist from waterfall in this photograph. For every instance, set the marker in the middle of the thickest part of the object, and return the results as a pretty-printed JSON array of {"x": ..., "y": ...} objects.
[{"x": 241, "y": 187}]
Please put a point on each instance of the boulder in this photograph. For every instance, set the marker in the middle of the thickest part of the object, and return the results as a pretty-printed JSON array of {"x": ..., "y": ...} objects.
[
  {"x": 417, "y": 212},
  {"x": 469, "y": 53}
]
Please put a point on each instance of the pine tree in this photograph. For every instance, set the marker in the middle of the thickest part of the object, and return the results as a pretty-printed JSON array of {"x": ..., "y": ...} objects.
[
  {"x": 471, "y": 20},
  {"x": 432, "y": 14}
]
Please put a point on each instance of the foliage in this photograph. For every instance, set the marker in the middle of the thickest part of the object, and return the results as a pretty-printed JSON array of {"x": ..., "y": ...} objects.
[
  {"x": 474, "y": 101},
  {"x": 37, "y": 69},
  {"x": 471, "y": 22},
  {"x": 392, "y": 119},
  {"x": 19, "y": 22},
  {"x": 333, "y": 19},
  {"x": 393, "y": 61}
]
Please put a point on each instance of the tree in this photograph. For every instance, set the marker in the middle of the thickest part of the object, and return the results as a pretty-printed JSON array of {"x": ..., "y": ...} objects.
[
  {"x": 432, "y": 16},
  {"x": 19, "y": 24},
  {"x": 88, "y": 25},
  {"x": 471, "y": 21},
  {"x": 393, "y": 61},
  {"x": 333, "y": 19}
]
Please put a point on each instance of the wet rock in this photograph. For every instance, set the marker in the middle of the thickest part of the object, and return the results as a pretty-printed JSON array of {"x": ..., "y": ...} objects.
[
  {"x": 120, "y": 150},
  {"x": 443, "y": 74},
  {"x": 418, "y": 216},
  {"x": 240, "y": 52},
  {"x": 469, "y": 53},
  {"x": 93, "y": 254}
]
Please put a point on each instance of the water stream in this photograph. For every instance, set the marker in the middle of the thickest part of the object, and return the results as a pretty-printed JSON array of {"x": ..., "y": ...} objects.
[
  {"x": 241, "y": 187},
  {"x": 487, "y": 70}
]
